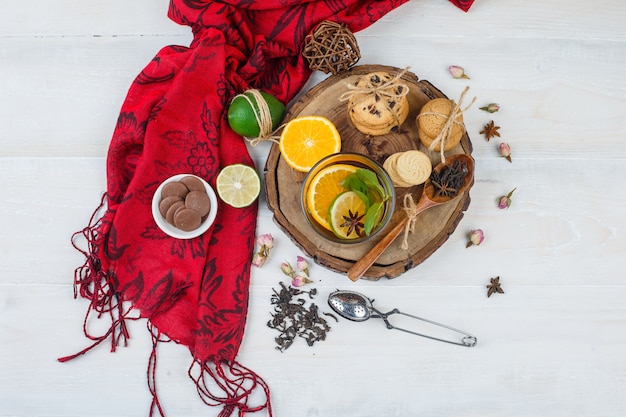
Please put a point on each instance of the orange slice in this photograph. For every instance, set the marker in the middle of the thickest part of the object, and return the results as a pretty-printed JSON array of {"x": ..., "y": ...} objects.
[
  {"x": 324, "y": 188},
  {"x": 307, "y": 139}
]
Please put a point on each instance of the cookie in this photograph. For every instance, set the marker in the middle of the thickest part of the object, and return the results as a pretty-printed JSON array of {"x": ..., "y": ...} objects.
[
  {"x": 175, "y": 188},
  {"x": 378, "y": 127},
  {"x": 169, "y": 216},
  {"x": 408, "y": 168},
  {"x": 193, "y": 183},
  {"x": 187, "y": 219},
  {"x": 390, "y": 166},
  {"x": 374, "y": 113},
  {"x": 167, "y": 202},
  {"x": 451, "y": 142},
  {"x": 198, "y": 201},
  {"x": 433, "y": 117}
]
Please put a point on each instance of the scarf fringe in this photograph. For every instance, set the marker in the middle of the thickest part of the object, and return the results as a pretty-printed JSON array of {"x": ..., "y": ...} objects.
[
  {"x": 93, "y": 283},
  {"x": 230, "y": 385},
  {"x": 235, "y": 384},
  {"x": 152, "y": 365}
]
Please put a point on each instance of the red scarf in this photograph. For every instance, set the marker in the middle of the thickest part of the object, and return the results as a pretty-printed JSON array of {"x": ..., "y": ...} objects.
[
  {"x": 195, "y": 292},
  {"x": 463, "y": 4}
]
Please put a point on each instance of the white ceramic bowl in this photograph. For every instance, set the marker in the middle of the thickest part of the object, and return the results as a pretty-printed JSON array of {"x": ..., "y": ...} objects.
[{"x": 170, "y": 229}]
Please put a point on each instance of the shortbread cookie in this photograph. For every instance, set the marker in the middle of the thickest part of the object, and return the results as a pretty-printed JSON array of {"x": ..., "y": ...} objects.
[
  {"x": 408, "y": 168},
  {"x": 431, "y": 120},
  {"x": 450, "y": 143}
]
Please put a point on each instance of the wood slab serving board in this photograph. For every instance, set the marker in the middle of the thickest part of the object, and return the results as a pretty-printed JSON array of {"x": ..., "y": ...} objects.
[{"x": 283, "y": 184}]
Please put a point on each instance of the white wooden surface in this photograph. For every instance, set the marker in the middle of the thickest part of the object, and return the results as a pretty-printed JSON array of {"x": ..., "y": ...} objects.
[{"x": 552, "y": 345}]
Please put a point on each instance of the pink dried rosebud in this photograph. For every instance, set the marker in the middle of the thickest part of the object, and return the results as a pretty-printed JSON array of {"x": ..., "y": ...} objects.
[
  {"x": 258, "y": 260},
  {"x": 287, "y": 269},
  {"x": 457, "y": 72},
  {"x": 302, "y": 265},
  {"x": 266, "y": 240},
  {"x": 300, "y": 280},
  {"x": 505, "y": 151},
  {"x": 491, "y": 107},
  {"x": 505, "y": 201},
  {"x": 476, "y": 237}
]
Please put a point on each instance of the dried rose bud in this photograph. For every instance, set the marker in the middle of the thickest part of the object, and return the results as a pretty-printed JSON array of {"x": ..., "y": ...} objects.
[
  {"x": 300, "y": 280},
  {"x": 476, "y": 237},
  {"x": 491, "y": 107},
  {"x": 302, "y": 265},
  {"x": 266, "y": 240},
  {"x": 258, "y": 260},
  {"x": 505, "y": 151},
  {"x": 287, "y": 269},
  {"x": 505, "y": 201},
  {"x": 457, "y": 72}
]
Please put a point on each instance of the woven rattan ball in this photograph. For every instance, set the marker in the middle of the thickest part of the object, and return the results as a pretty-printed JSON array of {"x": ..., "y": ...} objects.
[{"x": 331, "y": 47}]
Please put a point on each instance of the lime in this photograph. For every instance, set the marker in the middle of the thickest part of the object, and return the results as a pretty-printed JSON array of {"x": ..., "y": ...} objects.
[
  {"x": 347, "y": 215},
  {"x": 242, "y": 119},
  {"x": 238, "y": 185}
]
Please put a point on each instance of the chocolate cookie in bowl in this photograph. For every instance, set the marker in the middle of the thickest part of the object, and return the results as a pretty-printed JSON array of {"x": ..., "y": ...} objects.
[
  {"x": 377, "y": 103},
  {"x": 184, "y": 206}
]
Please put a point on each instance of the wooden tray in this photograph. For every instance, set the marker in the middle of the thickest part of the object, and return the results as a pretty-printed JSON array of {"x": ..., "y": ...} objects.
[{"x": 283, "y": 184}]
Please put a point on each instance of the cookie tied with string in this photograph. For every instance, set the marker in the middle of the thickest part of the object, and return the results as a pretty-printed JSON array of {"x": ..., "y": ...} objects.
[
  {"x": 432, "y": 119},
  {"x": 377, "y": 103},
  {"x": 440, "y": 123}
]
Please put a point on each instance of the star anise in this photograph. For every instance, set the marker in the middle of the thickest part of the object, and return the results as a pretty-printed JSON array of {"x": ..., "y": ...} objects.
[
  {"x": 443, "y": 188},
  {"x": 494, "y": 287},
  {"x": 449, "y": 180},
  {"x": 490, "y": 130},
  {"x": 353, "y": 223}
]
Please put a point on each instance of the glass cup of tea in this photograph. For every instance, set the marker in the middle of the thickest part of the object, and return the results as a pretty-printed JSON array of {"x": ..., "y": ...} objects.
[{"x": 348, "y": 198}]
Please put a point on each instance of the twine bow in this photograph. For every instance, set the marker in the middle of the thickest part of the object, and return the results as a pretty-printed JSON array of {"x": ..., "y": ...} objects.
[
  {"x": 410, "y": 208},
  {"x": 263, "y": 118},
  {"x": 444, "y": 135}
]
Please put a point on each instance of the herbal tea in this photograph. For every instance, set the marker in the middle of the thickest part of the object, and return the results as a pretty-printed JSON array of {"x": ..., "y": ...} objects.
[{"x": 348, "y": 198}]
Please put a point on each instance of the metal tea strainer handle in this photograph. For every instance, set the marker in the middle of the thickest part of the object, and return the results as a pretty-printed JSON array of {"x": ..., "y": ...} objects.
[
  {"x": 357, "y": 307},
  {"x": 467, "y": 339}
]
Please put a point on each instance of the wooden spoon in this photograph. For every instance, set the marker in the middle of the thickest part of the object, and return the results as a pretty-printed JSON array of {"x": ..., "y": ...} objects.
[{"x": 426, "y": 201}]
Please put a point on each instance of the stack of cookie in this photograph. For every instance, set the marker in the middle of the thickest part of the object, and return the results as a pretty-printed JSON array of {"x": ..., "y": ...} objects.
[
  {"x": 431, "y": 121},
  {"x": 408, "y": 168},
  {"x": 378, "y": 104}
]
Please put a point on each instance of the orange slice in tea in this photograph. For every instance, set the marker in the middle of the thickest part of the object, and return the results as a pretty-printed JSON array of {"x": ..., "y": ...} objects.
[
  {"x": 307, "y": 139},
  {"x": 324, "y": 188},
  {"x": 347, "y": 215}
]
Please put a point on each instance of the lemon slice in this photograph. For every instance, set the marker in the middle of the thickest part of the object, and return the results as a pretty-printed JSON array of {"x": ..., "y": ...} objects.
[
  {"x": 347, "y": 215},
  {"x": 324, "y": 188},
  {"x": 238, "y": 185},
  {"x": 307, "y": 139}
]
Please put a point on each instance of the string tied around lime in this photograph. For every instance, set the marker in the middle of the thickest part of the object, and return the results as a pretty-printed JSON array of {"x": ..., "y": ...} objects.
[
  {"x": 263, "y": 118},
  {"x": 393, "y": 89},
  {"x": 446, "y": 130}
]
